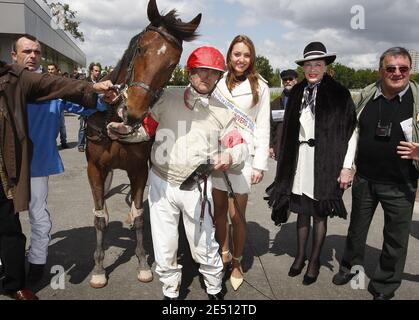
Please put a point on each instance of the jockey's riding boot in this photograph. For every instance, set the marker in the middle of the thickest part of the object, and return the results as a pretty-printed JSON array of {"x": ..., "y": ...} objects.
[
  {"x": 218, "y": 296},
  {"x": 168, "y": 298}
]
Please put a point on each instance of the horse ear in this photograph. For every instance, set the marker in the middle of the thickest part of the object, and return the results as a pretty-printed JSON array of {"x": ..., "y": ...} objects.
[
  {"x": 153, "y": 12},
  {"x": 196, "y": 21}
]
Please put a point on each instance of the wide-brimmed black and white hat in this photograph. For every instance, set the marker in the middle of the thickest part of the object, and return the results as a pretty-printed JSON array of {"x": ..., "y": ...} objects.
[{"x": 316, "y": 51}]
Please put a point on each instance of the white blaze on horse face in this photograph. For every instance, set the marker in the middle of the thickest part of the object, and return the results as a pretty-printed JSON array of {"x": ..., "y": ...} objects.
[{"x": 162, "y": 50}]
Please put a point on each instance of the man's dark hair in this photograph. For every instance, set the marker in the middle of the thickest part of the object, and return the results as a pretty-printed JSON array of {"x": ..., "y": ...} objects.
[
  {"x": 289, "y": 74},
  {"x": 394, "y": 52},
  {"x": 94, "y": 64},
  {"x": 53, "y": 64},
  {"x": 27, "y": 36}
]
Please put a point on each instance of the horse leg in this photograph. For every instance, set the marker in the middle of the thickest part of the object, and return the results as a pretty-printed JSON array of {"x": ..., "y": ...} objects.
[
  {"x": 138, "y": 181},
  {"x": 108, "y": 182},
  {"x": 101, "y": 220}
]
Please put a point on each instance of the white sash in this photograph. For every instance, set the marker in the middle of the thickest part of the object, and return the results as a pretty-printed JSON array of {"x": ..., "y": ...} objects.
[{"x": 241, "y": 118}]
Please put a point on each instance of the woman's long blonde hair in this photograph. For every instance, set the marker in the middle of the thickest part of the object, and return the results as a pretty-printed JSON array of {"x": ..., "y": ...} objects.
[{"x": 251, "y": 74}]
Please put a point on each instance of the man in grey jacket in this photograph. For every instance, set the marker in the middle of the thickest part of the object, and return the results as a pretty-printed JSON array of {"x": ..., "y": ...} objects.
[{"x": 387, "y": 114}]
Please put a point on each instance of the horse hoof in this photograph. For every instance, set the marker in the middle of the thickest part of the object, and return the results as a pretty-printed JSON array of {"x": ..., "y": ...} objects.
[
  {"x": 98, "y": 281},
  {"x": 145, "y": 276}
]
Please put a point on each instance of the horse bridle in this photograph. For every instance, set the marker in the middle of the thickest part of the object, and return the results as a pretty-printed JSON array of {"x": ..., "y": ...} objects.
[
  {"x": 122, "y": 89},
  {"x": 129, "y": 83}
]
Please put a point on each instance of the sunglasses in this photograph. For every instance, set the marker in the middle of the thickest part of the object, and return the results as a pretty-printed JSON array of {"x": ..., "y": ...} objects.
[
  {"x": 402, "y": 69},
  {"x": 287, "y": 79}
]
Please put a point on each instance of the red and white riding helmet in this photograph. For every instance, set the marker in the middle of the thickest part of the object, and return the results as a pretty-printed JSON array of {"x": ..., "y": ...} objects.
[{"x": 206, "y": 57}]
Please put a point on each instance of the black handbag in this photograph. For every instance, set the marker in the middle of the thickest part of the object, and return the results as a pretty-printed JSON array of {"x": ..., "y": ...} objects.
[{"x": 279, "y": 214}]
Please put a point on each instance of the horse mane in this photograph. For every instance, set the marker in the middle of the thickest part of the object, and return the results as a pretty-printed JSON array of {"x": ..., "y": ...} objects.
[{"x": 180, "y": 30}]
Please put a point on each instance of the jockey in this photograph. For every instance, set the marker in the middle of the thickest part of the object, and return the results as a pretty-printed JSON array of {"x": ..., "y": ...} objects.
[
  {"x": 191, "y": 128},
  {"x": 203, "y": 57}
]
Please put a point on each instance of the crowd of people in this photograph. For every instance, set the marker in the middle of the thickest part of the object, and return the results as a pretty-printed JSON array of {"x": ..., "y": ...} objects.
[{"x": 323, "y": 140}]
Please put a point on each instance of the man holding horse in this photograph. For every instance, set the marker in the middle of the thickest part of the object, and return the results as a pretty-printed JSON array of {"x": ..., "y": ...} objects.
[
  {"x": 17, "y": 86},
  {"x": 191, "y": 128}
]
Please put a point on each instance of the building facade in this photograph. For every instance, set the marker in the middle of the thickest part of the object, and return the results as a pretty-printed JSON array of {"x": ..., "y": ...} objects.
[{"x": 19, "y": 17}]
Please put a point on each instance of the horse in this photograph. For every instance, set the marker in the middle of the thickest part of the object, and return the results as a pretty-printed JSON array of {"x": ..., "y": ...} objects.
[{"x": 142, "y": 72}]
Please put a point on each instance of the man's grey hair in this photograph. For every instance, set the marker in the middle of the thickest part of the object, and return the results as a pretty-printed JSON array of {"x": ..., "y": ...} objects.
[{"x": 394, "y": 52}]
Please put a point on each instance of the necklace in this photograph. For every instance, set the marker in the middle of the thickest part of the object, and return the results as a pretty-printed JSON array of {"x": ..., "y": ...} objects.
[{"x": 240, "y": 78}]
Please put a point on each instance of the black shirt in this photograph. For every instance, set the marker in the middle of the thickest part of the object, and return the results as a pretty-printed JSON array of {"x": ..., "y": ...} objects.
[{"x": 377, "y": 158}]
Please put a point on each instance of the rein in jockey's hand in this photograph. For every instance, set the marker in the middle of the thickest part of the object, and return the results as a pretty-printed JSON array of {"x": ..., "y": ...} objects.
[{"x": 222, "y": 161}]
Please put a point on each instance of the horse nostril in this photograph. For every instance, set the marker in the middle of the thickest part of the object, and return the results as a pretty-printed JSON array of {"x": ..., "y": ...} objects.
[
  {"x": 131, "y": 120},
  {"x": 134, "y": 119}
]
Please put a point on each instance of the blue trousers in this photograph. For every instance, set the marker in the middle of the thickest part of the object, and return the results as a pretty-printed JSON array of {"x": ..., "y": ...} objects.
[{"x": 82, "y": 132}]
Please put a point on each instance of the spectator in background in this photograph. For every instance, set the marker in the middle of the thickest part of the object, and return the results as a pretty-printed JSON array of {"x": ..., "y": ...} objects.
[
  {"x": 289, "y": 79},
  {"x": 75, "y": 74},
  {"x": 94, "y": 75},
  {"x": 53, "y": 69}
]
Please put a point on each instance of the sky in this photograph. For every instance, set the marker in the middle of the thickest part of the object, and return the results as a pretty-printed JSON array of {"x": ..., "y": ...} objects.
[{"x": 358, "y": 31}]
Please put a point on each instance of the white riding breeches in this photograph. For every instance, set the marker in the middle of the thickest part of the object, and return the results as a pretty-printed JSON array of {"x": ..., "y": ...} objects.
[
  {"x": 166, "y": 203},
  {"x": 40, "y": 221}
]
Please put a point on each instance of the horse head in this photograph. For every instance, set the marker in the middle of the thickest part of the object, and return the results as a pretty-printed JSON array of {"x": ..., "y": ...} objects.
[{"x": 150, "y": 60}]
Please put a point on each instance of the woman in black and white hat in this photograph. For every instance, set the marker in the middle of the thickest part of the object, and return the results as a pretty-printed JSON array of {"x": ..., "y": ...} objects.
[{"x": 314, "y": 165}]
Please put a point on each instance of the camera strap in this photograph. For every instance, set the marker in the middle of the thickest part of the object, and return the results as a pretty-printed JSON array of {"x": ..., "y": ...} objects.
[{"x": 379, "y": 113}]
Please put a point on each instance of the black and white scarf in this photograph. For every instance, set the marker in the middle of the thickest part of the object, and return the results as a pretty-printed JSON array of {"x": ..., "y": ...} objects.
[{"x": 309, "y": 98}]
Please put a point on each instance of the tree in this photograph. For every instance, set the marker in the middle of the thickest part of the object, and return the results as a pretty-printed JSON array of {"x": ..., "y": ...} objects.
[
  {"x": 179, "y": 77},
  {"x": 106, "y": 70},
  {"x": 300, "y": 72},
  {"x": 415, "y": 77},
  {"x": 70, "y": 23},
  {"x": 275, "y": 81},
  {"x": 264, "y": 68},
  {"x": 343, "y": 74},
  {"x": 364, "y": 77}
]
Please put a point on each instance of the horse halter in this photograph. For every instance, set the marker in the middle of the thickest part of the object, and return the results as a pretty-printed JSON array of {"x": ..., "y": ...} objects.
[{"x": 155, "y": 93}]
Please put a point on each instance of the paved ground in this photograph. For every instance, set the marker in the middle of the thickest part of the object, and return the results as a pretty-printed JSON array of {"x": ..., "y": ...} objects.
[{"x": 268, "y": 255}]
